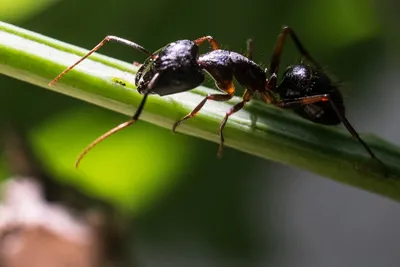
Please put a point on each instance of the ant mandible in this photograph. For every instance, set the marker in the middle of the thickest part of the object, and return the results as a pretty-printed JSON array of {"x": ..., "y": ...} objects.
[{"x": 178, "y": 67}]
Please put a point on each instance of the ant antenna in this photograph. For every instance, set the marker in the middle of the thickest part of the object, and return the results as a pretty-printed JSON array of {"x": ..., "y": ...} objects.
[
  {"x": 101, "y": 138},
  {"x": 123, "y": 125},
  {"x": 112, "y": 131},
  {"x": 97, "y": 47}
]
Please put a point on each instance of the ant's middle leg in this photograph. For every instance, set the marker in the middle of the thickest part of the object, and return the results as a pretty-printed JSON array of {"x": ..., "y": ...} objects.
[
  {"x": 227, "y": 87},
  {"x": 246, "y": 98},
  {"x": 214, "y": 44}
]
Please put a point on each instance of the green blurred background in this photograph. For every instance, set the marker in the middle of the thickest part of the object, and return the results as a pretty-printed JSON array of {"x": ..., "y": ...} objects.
[{"x": 190, "y": 208}]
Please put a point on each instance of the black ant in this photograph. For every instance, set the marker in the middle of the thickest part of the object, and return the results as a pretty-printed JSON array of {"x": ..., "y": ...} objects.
[{"x": 178, "y": 67}]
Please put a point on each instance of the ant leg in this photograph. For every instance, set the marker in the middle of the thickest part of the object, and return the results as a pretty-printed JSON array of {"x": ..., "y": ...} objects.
[
  {"x": 97, "y": 47},
  {"x": 210, "y": 39},
  {"x": 268, "y": 97},
  {"x": 246, "y": 98},
  {"x": 227, "y": 87},
  {"x": 301, "y": 101},
  {"x": 277, "y": 53},
  {"x": 326, "y": 98},
  {"x": 249, "y": 51},
  {"x": 119, "y": 127}
]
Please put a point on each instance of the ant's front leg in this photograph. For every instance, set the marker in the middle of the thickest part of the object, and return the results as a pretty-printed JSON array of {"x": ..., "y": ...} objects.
[
  {"x": 214, "y": 44},
  {"x": 277, "y": 53},
  {"x": 223, "y": 77},
  {"x": 301, "y": 101},
  {"x": 226, "y": 86}
]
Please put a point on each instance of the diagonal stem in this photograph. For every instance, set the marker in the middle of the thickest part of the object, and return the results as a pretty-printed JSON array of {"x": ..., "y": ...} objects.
[{"x": 259, "y": 129}]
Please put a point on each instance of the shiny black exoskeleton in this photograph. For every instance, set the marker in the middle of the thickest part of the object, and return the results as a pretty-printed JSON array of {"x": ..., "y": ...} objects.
[
  {"x": 302, "y": 81},
  {"x": 306, "y": 89},
  {"x": 175, "y": 68},
  {"x": 178, "y": 67}
]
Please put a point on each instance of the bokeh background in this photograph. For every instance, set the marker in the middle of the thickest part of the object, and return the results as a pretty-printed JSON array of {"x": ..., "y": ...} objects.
[{"x": 191, "y": 209}]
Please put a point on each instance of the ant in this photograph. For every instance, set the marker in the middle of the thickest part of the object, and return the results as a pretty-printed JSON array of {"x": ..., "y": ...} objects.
[{"x": 178, "y": 67}]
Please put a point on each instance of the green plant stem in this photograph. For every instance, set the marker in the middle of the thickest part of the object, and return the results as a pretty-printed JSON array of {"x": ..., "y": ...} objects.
[{"x": 259, "y": 129}]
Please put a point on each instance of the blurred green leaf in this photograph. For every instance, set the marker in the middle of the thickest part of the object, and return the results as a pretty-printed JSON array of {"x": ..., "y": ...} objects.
[
  {"x": 132, "y": 168},
  {"x": 4, "y": 171},
  {"x": 339, "y": 23},
  {"x": 17, "y": 10}
]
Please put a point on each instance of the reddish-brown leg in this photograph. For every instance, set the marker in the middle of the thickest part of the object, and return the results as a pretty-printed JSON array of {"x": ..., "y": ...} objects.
[
  {"x": 325, "y": 98},
  {"x": 277, "y": 53},
  {"x": 210, "y": 39},
  {"x": 246, "y": 98},
  {"x": 227, "y": 87}
]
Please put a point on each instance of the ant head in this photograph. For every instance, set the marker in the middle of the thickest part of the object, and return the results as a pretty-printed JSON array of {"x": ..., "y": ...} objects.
[
  {"x": 302, "y": 79},
  {"x": 298, "y": 78},
  {"x": 176, "y": 66}
]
